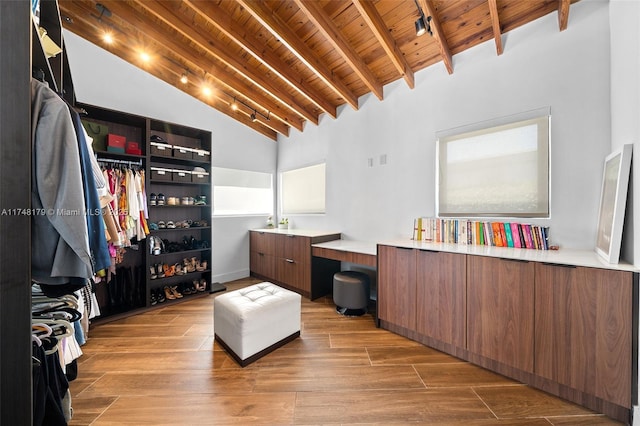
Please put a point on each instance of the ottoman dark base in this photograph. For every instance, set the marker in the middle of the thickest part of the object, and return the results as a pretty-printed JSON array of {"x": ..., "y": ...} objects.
[
  {"x": 244, "y": 362},
  {"x": 350, "y": 312}
]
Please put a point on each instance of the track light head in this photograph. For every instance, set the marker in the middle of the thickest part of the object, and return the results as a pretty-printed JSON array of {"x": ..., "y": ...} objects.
[
  {"x": 184, "y": 79},
  {"x": 421, "y": 28},
  {"x": 253, "y": 116},
  {"x": 423, "y": 25}
]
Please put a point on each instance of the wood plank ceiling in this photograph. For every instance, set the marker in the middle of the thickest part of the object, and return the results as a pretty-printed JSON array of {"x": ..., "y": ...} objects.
[{"x": 274, "y": 65}]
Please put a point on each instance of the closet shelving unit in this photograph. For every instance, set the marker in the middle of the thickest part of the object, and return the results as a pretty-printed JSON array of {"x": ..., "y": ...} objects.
[
  {"x": 140, "y": 129},
  {"x": 179, "y": 183}
]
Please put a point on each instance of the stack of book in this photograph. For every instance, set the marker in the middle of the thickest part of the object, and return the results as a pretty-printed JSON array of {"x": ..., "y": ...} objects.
[{"x": 482, "y": 233}]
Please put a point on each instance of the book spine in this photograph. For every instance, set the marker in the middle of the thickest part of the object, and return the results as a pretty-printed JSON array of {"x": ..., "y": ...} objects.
[
  {"x": 527, "y": 236},
  {"x": 497, "y": 239},
  {"x": 507, "y": 232},
  {"x": 515, "y": 235}
]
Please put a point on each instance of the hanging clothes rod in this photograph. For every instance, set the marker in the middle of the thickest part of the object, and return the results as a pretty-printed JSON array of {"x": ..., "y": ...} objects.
[{"x": 113, "y": 160}]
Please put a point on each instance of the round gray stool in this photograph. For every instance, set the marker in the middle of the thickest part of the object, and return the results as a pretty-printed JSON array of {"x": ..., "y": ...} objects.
[{"x": 351, "y": 292}]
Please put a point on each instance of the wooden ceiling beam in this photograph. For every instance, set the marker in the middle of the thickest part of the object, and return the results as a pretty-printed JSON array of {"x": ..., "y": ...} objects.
[
  {"x": 331, "y": 33},
  {"x": 495, "y": 24},
  {"x": 138, "y": 24},
  {"x": 169, "y": 13},
  {"x": 563, "y": 13},
  {"x": 230, "y": 28},
  {"x": 288, "y": 38},
  {"x": 92, "y": 31},
  {"x": 165, "y": 70},
  {"x": 377, "y": 25},
  {"x": 438, "y": 34}
]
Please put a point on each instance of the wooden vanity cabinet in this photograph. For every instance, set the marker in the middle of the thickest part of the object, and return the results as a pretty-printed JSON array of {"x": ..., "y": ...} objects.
[
  {"x": 441, "y": 299},
  {"x": 397, "y": 286},
  {"x": 500, "y": 306},
  {"x": 284, "y": 258},
  {"x": 583, "y": 329}
]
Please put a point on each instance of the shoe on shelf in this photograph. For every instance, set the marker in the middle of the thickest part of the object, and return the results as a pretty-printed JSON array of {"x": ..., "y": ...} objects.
[
  {"x": 171, "y": 225},
  {"x": 168, "y": 293},
  {"x": 188, "y": 268},
  {"x": 160, "y": 296},
  {"x": 153, "y": 298},
  {"x": 169, "y": 270},
  {"x": 201, "y": 266},
  {"x": 179, "y": 269},
  {"x": 153, "y": 226},
  {"x": 160, "y": 199},
  {"x": 203, "y": 285},
  {"x": 175, "y": 292},
  {"x": 152, "y": 269},
  {"x": 153, "y": 199},
  {"x": 160, "y": 270}
]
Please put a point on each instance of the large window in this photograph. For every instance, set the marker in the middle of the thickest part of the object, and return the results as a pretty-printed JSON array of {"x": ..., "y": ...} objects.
[
  {"x": 497, "y": 169},
  {"x": 241, "y": 192},
  {"x": 303, "y": 190}
]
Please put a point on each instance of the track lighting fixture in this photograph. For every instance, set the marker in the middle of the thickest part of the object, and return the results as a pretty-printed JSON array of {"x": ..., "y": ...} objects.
[
  {"x": 236, "y": 103},
  {"x": 422, "y": 23},
  {"x": 184, "y": 79}
]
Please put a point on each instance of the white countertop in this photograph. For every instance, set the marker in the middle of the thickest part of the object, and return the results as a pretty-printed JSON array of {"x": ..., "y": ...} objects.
[
  {"x": 359, "y": 247},
  {"x": 562, "y": 256},
  {"x": 297, "y": 232}
]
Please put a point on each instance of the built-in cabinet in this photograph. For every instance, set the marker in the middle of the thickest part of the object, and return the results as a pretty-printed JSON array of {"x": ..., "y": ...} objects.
[
  {"x": 500, "y": 297},
  {"x": 566, "y": 329},
  {"x": 284, "y": 257},
  {"x": 583, "y": 329},
  {"x": 179, "y": 225}
]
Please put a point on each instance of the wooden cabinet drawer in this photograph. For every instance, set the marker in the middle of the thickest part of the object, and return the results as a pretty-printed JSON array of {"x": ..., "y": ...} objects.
[
  {"x": 262, "y": 242},
  {"x": 262, "y": 264},
  {"x": 293, "y": 247},
  {"x": 294, "y": 273}
]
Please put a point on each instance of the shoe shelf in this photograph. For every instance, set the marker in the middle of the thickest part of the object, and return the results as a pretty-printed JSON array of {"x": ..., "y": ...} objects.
[
  {"x": 179, "y": 252},
  {"x": 195, "y": 228},
  {"x": 184, "y": 277}
]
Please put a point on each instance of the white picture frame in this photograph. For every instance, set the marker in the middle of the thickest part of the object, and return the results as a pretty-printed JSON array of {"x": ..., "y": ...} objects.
[{"x": 613, "y": 200}]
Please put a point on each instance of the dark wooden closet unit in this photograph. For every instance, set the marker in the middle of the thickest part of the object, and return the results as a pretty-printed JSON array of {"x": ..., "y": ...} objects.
[{"x": 176, "y": 181}]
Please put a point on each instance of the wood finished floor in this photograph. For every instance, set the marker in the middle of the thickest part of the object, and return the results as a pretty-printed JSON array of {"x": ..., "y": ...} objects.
[{"x": 164, "y": 368}]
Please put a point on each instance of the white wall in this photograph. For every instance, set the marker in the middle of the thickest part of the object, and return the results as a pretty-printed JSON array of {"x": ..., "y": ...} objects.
[
  {"x": 105, "y": 80},
  {"x": 541, "y": 66},
  {"x": 624, "y": 18}
]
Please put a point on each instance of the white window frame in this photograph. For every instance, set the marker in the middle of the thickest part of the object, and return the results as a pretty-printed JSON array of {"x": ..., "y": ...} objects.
[
  {"x": 450, "y": 196},
  {"x": 303, "y": 190},
  {"x": 246, "y": 184}
]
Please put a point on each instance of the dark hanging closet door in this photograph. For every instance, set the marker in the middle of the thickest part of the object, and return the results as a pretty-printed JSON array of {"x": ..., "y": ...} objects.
[{"x": 15, "y": 190}]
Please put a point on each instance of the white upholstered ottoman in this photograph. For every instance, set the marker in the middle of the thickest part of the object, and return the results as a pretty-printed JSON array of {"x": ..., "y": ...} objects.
[{"x": 253, "y": 321}]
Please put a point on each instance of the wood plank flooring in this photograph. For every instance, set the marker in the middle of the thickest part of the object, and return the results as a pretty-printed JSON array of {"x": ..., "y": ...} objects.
[{"x": 164, "y": 368}]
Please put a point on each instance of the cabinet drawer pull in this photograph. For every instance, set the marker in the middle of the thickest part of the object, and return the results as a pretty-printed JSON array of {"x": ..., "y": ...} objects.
[
  {"x": 404, "y": 248},
  {"x": 291, "y": 236},
  {"x": 261, "y": 254},
  {"x": 261, "y": 232},
  {"x": 290, "y": 260},
  {"x": 429, "y": 251},
  {"x": 559, "y": 265},
  {"x": 514, "y": 260}
]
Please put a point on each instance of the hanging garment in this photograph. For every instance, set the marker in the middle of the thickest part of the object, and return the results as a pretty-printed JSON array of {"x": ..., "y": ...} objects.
[
  {"x": 59, "y": 237},
  {"x": 93, "y": 208}
]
